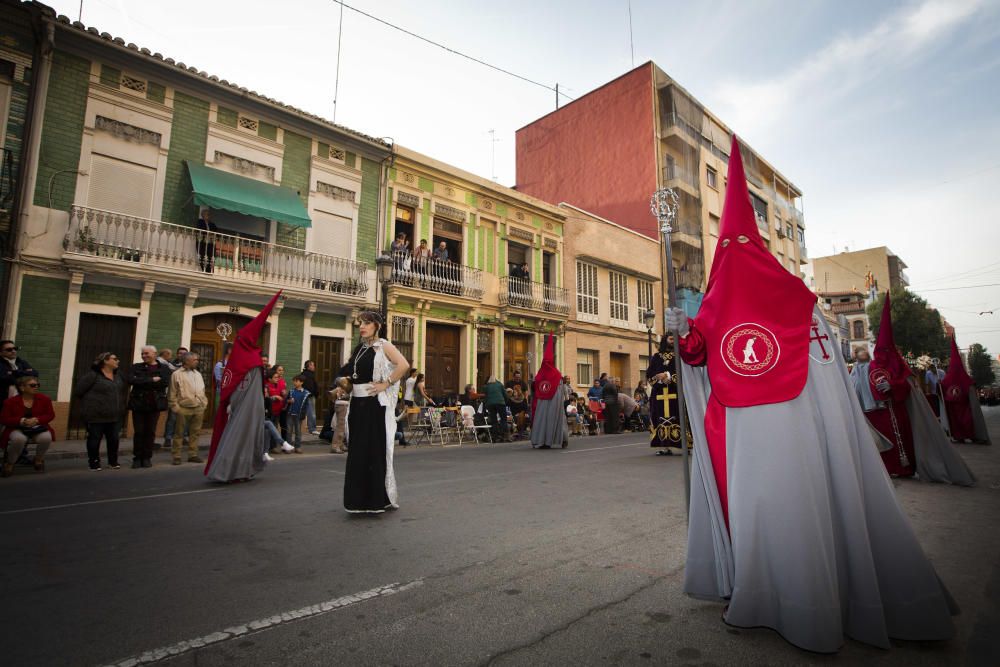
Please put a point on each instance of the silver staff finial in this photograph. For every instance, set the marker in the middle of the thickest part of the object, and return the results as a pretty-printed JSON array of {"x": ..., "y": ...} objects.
[
  {"x": 664, "y": 204},
  {"x": 225, "y": 330}
]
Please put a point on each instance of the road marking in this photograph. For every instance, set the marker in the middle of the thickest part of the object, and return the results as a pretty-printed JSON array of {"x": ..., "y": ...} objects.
[
  {"x": 261, "y": 625},
  {"x": 594, "y": 449},
  {"x": 109, "y": 500}
]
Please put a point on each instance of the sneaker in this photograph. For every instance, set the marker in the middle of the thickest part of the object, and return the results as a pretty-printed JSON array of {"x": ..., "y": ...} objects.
[
  {"x": 313, "y": 432},
  {"x": 268, "y": 457},
  {"x": 147, "y": 463},
  {"x": 195, "y": 459},
  {"x": 177, "y": 461},
  {"x": 136, "y": 463},
  {"x": 114, "y": 466},
  {"x": 286, "y": 448},
  {"x": 298, "y": 450}
]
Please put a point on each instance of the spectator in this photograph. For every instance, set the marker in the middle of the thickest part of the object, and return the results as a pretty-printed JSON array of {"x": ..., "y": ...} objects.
[
  {"x": 26, "y": 419},
  {"x": 567, "y": 390},
  {"x": 420, "y": 394},
  {"x": 179, "y": 356},
  {"x": 341, "y": 401},
  {"x": 149, "y": 379},
  {"x": 309, "y": 384},
  {"x": 275, "y": 397},
  {"x": 408, "y": 388},
  {"x": 516, "y": 381},
  {"x": 612, "y": 407},
  {"x": 422, "y": 251},
  {"x": 441, "y": 252},
  {"x": 595, "y": 393},
  {"x": 265, "y": 360},
  {"x": 643, "y": 402},
  {"x": 166, "y": 356},
  {"x": 518, "y": 409},
  {"x": 187, "y": 401},
  {"x": 642, "y": 388},
  {"x": 206, "y": 239},
  {"x": 298, "y": 398},
  {"x": 220, "y": 366},
  {"x": 496, "y": 407},
  {"x": 283, "y": 385},
  {"x": 11, "y": 368},
  {"x": 168, "y": 427},
  {"x": 101, "y": 394},
  {"x": 399, "y": 245},
  {"x": 629, "y": 409},
  {"x": 470, "y": 396},
  {"x": 603, "y": 379},
  {"x": 583, "y": 409}
]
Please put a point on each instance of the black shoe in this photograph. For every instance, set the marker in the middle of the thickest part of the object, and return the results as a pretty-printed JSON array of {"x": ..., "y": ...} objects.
[
  {"x": 147, "y": 463},
  {"x": 136, "y": 463},
  {"x": 114, "y": 466}
]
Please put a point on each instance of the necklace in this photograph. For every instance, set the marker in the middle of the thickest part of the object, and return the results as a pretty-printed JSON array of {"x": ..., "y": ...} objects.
[{"x": 364, "y": 348}]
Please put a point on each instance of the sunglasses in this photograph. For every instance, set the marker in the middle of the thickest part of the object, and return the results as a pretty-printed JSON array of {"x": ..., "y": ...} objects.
[
  {"x": 34, "y": 385},
  {"x": 11, "y": 349}
]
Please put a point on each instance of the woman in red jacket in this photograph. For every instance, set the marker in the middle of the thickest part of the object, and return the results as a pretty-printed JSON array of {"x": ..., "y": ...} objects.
[{"x": 26, "y": 419}]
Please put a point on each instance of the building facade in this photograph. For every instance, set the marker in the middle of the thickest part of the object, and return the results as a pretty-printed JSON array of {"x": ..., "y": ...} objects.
[
  {"x": 126, "y": 148},
  {"x": 608, "y": 150},
  {"x": 468, "y": 315},
  {"x": 851, "y": 306},
  {"x": 872, "y": 269},
  {"x": 614, "y": 278}
]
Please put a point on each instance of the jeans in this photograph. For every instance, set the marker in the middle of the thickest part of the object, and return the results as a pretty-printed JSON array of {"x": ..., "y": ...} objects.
[
  {"x": 144, "y": 424},
  {"x": 294, "y": 429},
  {"x": 168, "y": 427},
  {"x": 109, "y": 431},
  {"x": 272, "y": 431},
  {"x": 311, "y": 413}
]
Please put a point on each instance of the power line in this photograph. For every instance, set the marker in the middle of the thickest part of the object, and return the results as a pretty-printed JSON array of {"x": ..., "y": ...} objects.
[
  {"x": 451, "y": 50},
  {"x": 947, "y": 278},
  {"x": 946, "y": 289}
]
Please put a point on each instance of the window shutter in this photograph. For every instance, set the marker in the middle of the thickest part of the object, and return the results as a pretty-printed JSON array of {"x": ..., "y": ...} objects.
[{"x": 122, "y": 187}]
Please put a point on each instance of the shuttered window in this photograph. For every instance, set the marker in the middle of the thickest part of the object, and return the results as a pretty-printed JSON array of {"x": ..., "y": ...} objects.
[
  {"x": 120, "y": 186},
  {"x": 330, "y": 234},
  {"x": 586, "y": 290},
  {"x": 645, "y": 298},
  {"x": 619, "y": 297},
  {"x": 586, "y": 360}
]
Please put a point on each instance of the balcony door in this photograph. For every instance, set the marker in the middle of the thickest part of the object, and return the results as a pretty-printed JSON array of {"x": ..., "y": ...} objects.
[
  {"x": 207, "y": 343},
  {"x": 441, "y": 359},
  {"x": 450, "y": 233},
  {"x": 327, "y": 354},
  {"x": 516, "y": 348}
]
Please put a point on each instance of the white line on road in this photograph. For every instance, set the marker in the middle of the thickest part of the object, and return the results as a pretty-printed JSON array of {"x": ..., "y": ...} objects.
[
  {"x": 268, "y": 623},
  {"x": 108, "y": 500},
  {"x": 594, "y": 449}
]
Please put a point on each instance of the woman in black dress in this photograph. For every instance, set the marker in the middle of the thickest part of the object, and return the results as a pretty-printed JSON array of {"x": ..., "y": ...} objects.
[{"x": 375, "y": 368}]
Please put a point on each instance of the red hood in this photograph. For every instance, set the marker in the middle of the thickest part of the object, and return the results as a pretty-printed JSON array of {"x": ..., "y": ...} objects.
[
  {"x": 244, "y": 356},
  {"x": 548, "y": 378},
  {"x": 755, "y": 316},
  {"x": 957, "y": 381},
  {"x": 886, "y": 356}
]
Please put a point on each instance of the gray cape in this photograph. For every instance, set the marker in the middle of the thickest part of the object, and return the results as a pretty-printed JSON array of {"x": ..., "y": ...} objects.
[
  {"x": 240, "y": 454},
  {"x": 978, "y": 421},
  {"x": 818, "y": 546},
  {"x": 548, "y": 424},
  {"x": 937, "y": 458}
]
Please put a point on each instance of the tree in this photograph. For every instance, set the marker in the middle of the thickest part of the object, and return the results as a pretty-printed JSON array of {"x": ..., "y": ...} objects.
[
  {"x": 981, "y": 366},
  {"x": 916, "y": 327}
]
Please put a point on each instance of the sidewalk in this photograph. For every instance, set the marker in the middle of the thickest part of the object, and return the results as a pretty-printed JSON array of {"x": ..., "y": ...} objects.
[{"x": 77, "y": 449}]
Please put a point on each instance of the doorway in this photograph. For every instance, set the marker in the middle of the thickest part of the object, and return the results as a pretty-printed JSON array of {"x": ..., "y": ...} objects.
[
  {"x": 442, "y": 359},
  {"x": 207, "y": 343},
  {"x": 619, "y": 369},
  {"x": 484, "y": 357},
  {"x": 99, "y": 333},
  {"x": 516, "y": 348},
  {"x": 326, "y": 353}
]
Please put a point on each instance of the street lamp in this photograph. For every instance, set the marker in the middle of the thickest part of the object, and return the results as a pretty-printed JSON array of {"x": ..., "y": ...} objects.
[
  {"x": 649, "y": 319},
  {"x": 383, "y": 270}
]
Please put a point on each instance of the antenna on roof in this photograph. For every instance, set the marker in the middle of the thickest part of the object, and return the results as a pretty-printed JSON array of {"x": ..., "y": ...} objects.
[
  {"x": 631, "y": 44},
  {"x": 336, "y": 80},
  {"x": 493, "y": 154},
  {"x": 79, "y": 16}
]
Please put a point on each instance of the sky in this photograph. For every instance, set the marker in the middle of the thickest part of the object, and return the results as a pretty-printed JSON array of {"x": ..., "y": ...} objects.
[{"x": 884, "y": 114}]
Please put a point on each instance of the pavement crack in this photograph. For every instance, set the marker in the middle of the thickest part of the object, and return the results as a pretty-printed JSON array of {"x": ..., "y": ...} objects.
[{"x": 581, "y": 617}]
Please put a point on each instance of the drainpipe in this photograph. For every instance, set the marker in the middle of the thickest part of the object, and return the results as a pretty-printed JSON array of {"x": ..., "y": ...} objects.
[{"x": 45, "y": 34}]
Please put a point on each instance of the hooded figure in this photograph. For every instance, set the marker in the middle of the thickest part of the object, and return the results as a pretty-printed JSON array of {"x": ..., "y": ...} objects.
[
  {"x": 548, "y": 416},
  {"x": 905, "y": 421},
  {"x": 965, "y": 415},
  {"x": 238, "y": 438},
  {"x": 793, "y": 519}
]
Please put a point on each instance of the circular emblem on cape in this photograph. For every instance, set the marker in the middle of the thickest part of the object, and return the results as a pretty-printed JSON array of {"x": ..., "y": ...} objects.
[
  {"x": 750, "y": 349},
  {"x": 227, "y": 377},
  {"x": 544, "y": 387},
  {"x": 878, "y": 376},
  {"x": 954, "y": 392}
]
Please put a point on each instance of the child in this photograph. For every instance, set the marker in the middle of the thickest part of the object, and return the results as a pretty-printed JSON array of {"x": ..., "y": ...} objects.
[
  {"x": 341, "y": 402},
  {"x": 297, "y": 398}
]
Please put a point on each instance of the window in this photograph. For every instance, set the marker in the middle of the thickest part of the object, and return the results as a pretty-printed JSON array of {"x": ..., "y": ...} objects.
[
  {"x": 859, "y": 330},
  {"x": 517, "y": 255},
  {"x": 645, "y": 301},
  {"x": 790, "y": 231},
  {"x": 586, "y": 290},
  {"x": 402, "y": 337},
  {"x": 712, "y": 178},
  {"x": 713, "y": 224},
  {"x": 619, "y": 296},
  {"x": 586, "y": 363},
  {"x": 120, "y": 186},
  {"x": 802, "y": 237},
  {"x": 643, "y": 364},
  {"x": 330, "y": 234}
]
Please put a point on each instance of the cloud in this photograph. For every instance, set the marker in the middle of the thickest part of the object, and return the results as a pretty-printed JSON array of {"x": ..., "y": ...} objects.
[{"x": 844, "y": 64}]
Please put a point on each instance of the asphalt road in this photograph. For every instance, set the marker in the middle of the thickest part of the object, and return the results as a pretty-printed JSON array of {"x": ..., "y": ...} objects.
[{"x": 499, "y": 555}]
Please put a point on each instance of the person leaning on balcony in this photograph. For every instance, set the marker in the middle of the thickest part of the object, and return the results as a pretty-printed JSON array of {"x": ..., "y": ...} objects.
[
  {"x": 149, "y": 379},
  {"x": 25, "y": 419},
  {"x": 101, "y": 395},
  {"x": 206, "y": 240},
  {"x": 11, "y": 368},
  {"x": 441, "y": 252},
  {"x": 187, "y": 401}
]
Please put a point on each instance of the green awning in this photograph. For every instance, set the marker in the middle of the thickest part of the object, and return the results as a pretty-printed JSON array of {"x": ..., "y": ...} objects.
[{"x": 230, "y": 192}]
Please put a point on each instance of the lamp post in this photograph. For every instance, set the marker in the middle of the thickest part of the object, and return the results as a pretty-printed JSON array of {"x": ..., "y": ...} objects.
[
  {"x": 664, "y": 204},
  {"x": 383, "y": 270},
  {"x": 649, "y": 319}
]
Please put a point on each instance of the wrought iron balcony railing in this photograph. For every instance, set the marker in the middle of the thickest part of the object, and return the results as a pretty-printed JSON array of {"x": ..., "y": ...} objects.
[
  {"x": 129, "y": 239},
  {"x": 436, "y": 275},
  {"x": 522, "y": 293}
]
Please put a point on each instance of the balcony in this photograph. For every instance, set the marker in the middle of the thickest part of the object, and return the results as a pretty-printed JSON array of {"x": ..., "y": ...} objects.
[
  {"x": 434, "y": 275},
  {"x": 155, "y": 246},
  {"x": 674, "y": 121},
  {"x": 522, "y": 293},
  {"x": 674, "y": 175},
  {"x": 6, "y": 182}
]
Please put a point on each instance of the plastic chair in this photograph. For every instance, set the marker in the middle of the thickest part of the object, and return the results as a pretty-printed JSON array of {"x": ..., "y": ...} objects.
[
  {"x": 598, "y": 409},
  {"x": 471, "y": 425}
]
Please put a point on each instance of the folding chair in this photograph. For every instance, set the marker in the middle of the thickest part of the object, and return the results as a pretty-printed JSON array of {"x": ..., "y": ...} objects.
[
  {"x": 418, "y": 423},
  {"x": 475, "y": 423},
  {"x": 598, "y": 409}
]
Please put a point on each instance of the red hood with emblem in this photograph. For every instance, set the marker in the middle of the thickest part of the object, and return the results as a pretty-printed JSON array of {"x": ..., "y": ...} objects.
[
  {"x": 548, "y": 378},
  {"x": 957, "y": 381},
  {"x": 755, "y": 316},
  {"x": 886, "y": 357},
  {"x": 244, "y": 356}
]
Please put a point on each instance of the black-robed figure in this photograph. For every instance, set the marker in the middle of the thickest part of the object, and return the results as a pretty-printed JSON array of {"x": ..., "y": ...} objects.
[{"x": 665, "y": 425}]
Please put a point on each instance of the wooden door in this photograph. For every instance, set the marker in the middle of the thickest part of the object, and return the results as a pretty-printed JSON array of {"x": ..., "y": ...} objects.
[
  {"x": 98, "y": 333},
  {"x": 516, "y": 347},
  {"x": 206, "y": 341},
  {"x": 619, "y": 369},
  {"x": 441, "y": 359},
  {"x": 327, "y": 354}
]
